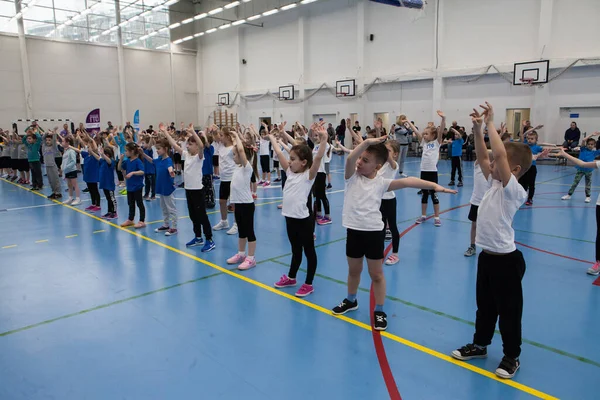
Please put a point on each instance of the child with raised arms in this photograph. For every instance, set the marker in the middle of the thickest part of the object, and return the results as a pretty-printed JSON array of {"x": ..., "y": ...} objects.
[
  {"x": 134, "y": 176},
  {"x": 363, "y": 221},
  {"x": 301, "y": 170},
  {"x": 106, "y": 176},
  {"x": 500, "y": 267}
]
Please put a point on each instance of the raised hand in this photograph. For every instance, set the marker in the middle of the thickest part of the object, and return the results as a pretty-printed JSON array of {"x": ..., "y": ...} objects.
[
  {"x": 488, "y": 113},
  {"x": 476, "y": 117}
]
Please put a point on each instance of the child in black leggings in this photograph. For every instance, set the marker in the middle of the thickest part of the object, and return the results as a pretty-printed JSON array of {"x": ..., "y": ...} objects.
[
  {"x": 388, "y": 202},
  {"x": 320, "y": 185},
  {"x": 134, "y": 169}
]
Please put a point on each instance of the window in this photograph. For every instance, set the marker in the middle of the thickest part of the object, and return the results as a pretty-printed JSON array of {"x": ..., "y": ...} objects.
[{"x": 143, "y": 22}]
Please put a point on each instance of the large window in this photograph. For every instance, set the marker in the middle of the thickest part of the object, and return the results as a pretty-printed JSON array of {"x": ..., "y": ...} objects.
[{"x": 143, "y": 23}]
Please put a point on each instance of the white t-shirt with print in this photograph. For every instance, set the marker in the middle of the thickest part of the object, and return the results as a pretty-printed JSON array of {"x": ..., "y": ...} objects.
[
  {"x": 362, "y": 201},
  {"x": 240, "y": 184},
  {"x": 192, "y": 170},
  {"x": 226, "y": 164},
  {"x": 431, "y": 155},
  {"x": 316, "y": 150},
  {"x": 387, "y": 172},
  {"x": 295, "y": 194},
  {"x": 480, "y": 185},
  {"x": 264, "y": 147},
  {"x": 495, "y": 216}
]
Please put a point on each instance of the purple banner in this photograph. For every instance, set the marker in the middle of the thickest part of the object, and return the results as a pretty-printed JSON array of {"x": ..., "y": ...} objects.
[{"x": 92, "y": 122}]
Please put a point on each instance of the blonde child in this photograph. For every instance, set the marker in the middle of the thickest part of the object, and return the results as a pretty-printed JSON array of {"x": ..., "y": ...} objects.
[
  {"x": 388, "y": 201},
  {"x": 430, "y": 139},
  {"x": 69, "y": 167},
  {"x": 226, "y": 168},
  {"x": 241, "y": 197}
]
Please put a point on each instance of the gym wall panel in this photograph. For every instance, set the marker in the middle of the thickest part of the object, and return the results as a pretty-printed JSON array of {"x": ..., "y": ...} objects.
[
  {"x": 148, "y": 86},
  {"x": 70, "y": 79},
  {"x": 12, "y": 101},
  {"x": 575, "y": 29}
]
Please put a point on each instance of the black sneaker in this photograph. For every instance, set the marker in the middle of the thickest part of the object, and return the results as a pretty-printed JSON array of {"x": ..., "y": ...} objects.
[
  {"x": 51, "y": 197},
  {"x": 329, "y": 186},
  {"x": 451, "y": 183},
  {"x": 460, "y": 184},
  {"x": 58, "y": 196},
  {"x": 161, "y": 229},
  {"x": 507, "y": 368},
  {"x": 380, "y": 323},
  {"x": 345, "y": 306},
  {"x": 469, "y": 352},
  {"x": 86, "y": 190}
]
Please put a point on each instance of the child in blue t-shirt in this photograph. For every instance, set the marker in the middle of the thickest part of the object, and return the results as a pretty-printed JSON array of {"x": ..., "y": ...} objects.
[
  {"x": 586, "y": 154},
  {"x": 456, "y": 145},
  {"x": 149, "y": 169},
  {"x": 165, "y": 186},
  {"x": 91, "y": 175},
  {"x": 208, "y": 170},
  {"x": 134, "y": 169},
  {"x": 106, "y": 177}
]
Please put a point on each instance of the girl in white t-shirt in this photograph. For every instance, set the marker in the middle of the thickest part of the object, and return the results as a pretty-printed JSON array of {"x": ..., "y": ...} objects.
[
  {"x": 430, "y": 139},
  {"x": 241, "y": 197},
  {"x": 226, "y": 167},
  {"x": 365, "y": 228},
  {"x": 265, "y": 159},
  {"x": 320, "y": 185},
  {"x": 388, "y": 201},
  {"x": 594, "y": 269},
  {"x": 301, "y": 171}
]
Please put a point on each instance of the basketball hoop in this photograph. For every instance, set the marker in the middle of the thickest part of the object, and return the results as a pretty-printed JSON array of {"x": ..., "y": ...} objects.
[
  {"x": 341, "y": 94},
  {"x": 527, "y": 81},
  {"x": 220, "y": 104}
]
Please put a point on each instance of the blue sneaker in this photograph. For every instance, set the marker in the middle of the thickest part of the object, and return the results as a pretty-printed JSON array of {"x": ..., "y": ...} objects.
[
  {"x": 195, "y": 242},
  {"x": 208, "y": 246}
]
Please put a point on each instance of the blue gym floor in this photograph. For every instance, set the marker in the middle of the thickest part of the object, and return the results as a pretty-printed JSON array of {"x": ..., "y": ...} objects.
[{"x": 89, "y": 310}]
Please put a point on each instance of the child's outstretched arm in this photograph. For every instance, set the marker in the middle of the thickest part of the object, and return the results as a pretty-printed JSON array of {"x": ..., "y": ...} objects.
[
  {"x": 498, "y": 149},
  {"x": 577, "y": 161},
  {"x": 481, "y": 151},
  {"x": 350, "y": 168},
  {"x": 277, "y": 149},
  {"x": 440, "y": 136},
  {"x": 322, "y": 132},
  {"x": 417, "y": 183},
  {"x": 197, "y": 139},
  {"x": 341, "y": 146},
  {"x": 172, "y": 142}
]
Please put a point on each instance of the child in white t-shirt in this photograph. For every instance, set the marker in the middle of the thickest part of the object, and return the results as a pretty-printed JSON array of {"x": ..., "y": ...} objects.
[
  {"x": 480, "y": 186},
  {"x": 362, "y": 219},
  {"x": 226, "y": 166},
  {"x": 500, "y": 267},
  {"x": 430, "y": 139},
  {"x": 301, "y": 171}
]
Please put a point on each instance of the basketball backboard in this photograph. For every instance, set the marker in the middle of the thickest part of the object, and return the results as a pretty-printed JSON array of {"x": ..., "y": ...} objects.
[
  {"x": 223, "y": 99},
  {"x": 533, "y": 72},
  {"x": 286, "y": 92},
  {"x": 345, "y": 88}
]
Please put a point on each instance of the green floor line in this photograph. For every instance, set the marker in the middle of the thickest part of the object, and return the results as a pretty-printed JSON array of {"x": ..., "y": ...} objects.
[
  {"x": 452, "y": 317},
  {"x": 531, "y": 232}
]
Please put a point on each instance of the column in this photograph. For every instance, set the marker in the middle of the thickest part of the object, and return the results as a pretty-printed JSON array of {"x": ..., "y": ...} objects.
[
  {"x": 300, "y": 63},
  {"x": 24, "y": 64},
  {"x": 121, "y": 65}
]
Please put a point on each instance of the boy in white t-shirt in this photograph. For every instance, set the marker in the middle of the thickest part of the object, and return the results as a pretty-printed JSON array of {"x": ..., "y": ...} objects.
[
  {"x": 362, "y": 219},
  {"x": 500, "y": 267},
  {"x": 430, "y": 139},
  {"x": 480, "y": 186}
]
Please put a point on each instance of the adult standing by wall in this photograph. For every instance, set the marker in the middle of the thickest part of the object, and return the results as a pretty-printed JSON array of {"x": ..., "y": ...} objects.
[{"x": 340, "y": 132}]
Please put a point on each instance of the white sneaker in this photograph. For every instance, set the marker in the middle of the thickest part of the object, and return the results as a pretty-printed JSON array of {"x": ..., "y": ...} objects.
[
  {"x": 403, "y": 176},
  {"x": 76, "y": 202},
  {"x": 566, "y": 197},
  {"x": 68, "y": 201},
  {"x": 221, "y": 225},
  {"x": 588, "y": 199},
  {"x": 233, "y": 230}
]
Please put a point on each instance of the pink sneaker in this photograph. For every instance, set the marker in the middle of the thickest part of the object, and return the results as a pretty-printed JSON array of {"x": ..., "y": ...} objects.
[
  {"x": 238, "y": 258},
  {"x": 420, "y": 220},
  {"x": 324, "y": 221},
  {"x": 305, "y": 290},
  {"x": 595, "y": 269},
  {"x": 90, "y": 208},
  {"x": 96, "y": 208},
  {"x": 285, "y": 282},
  {"x": 247, "y": 264},
  {"x": 393, "y": 259},
  {"x": 437, "y": 222}
]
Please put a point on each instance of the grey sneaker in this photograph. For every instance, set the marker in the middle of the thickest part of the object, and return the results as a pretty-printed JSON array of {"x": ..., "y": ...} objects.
[{"x": 470, "y": 252}]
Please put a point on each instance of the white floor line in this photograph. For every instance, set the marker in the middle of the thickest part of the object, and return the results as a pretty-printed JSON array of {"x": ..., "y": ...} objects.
[{"x": 29, "y": 207}]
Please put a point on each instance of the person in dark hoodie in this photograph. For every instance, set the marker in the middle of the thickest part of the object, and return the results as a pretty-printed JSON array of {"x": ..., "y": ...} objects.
[{"x": 572, "y": 136}]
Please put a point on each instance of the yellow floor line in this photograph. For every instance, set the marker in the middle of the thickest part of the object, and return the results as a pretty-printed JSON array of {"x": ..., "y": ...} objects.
[
  {"x": 398, "y": 339},
  {"x": 41, "y": 241}
]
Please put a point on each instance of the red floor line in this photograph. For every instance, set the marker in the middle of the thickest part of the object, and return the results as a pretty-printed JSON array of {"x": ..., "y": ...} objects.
[
  {"x": 554, "y": 254},
  {"x": 597, "y": 282},
  {"x": 386, "y": 371}
]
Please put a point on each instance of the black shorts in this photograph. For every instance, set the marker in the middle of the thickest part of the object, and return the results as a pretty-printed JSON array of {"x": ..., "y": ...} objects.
[
  {"x": 58, "y": 161},
  {"x": 14, "y": 163},
  {"x": 23, "y": 165},
  {"x": 369, "y": 244},
  {"x": 224, "y": 190},
  {"x": 4, "y": 162},
  {"x": 177, "y": 158},
  {"x": 276, "y": 164},
  {"x": 215, "y": 161},
  {"x": 71, "y": 175},
  {"x": 264, "y": 163},
  {"x": 473, "y": 213},
  {"x": 430, "y": 176}
]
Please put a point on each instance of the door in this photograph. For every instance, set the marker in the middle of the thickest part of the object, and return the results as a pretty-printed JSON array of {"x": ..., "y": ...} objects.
[
  {"x": 514, "y": 120},
  {"x": 266, "y": 120}
]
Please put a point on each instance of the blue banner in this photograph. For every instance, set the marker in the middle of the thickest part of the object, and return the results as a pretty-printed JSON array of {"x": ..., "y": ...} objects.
[
  {"x": 136, "y": 120},
  {"x": 402, "y": 3}
]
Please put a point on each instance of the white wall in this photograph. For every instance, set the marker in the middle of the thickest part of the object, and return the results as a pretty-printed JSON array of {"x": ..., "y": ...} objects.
[
  {"x": 413, "y": 47},
  {"x": 68, "y": 80}
]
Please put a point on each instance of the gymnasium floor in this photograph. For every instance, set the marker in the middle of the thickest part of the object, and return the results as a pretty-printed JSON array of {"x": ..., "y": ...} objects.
[{"x": 92, "y": 311}]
